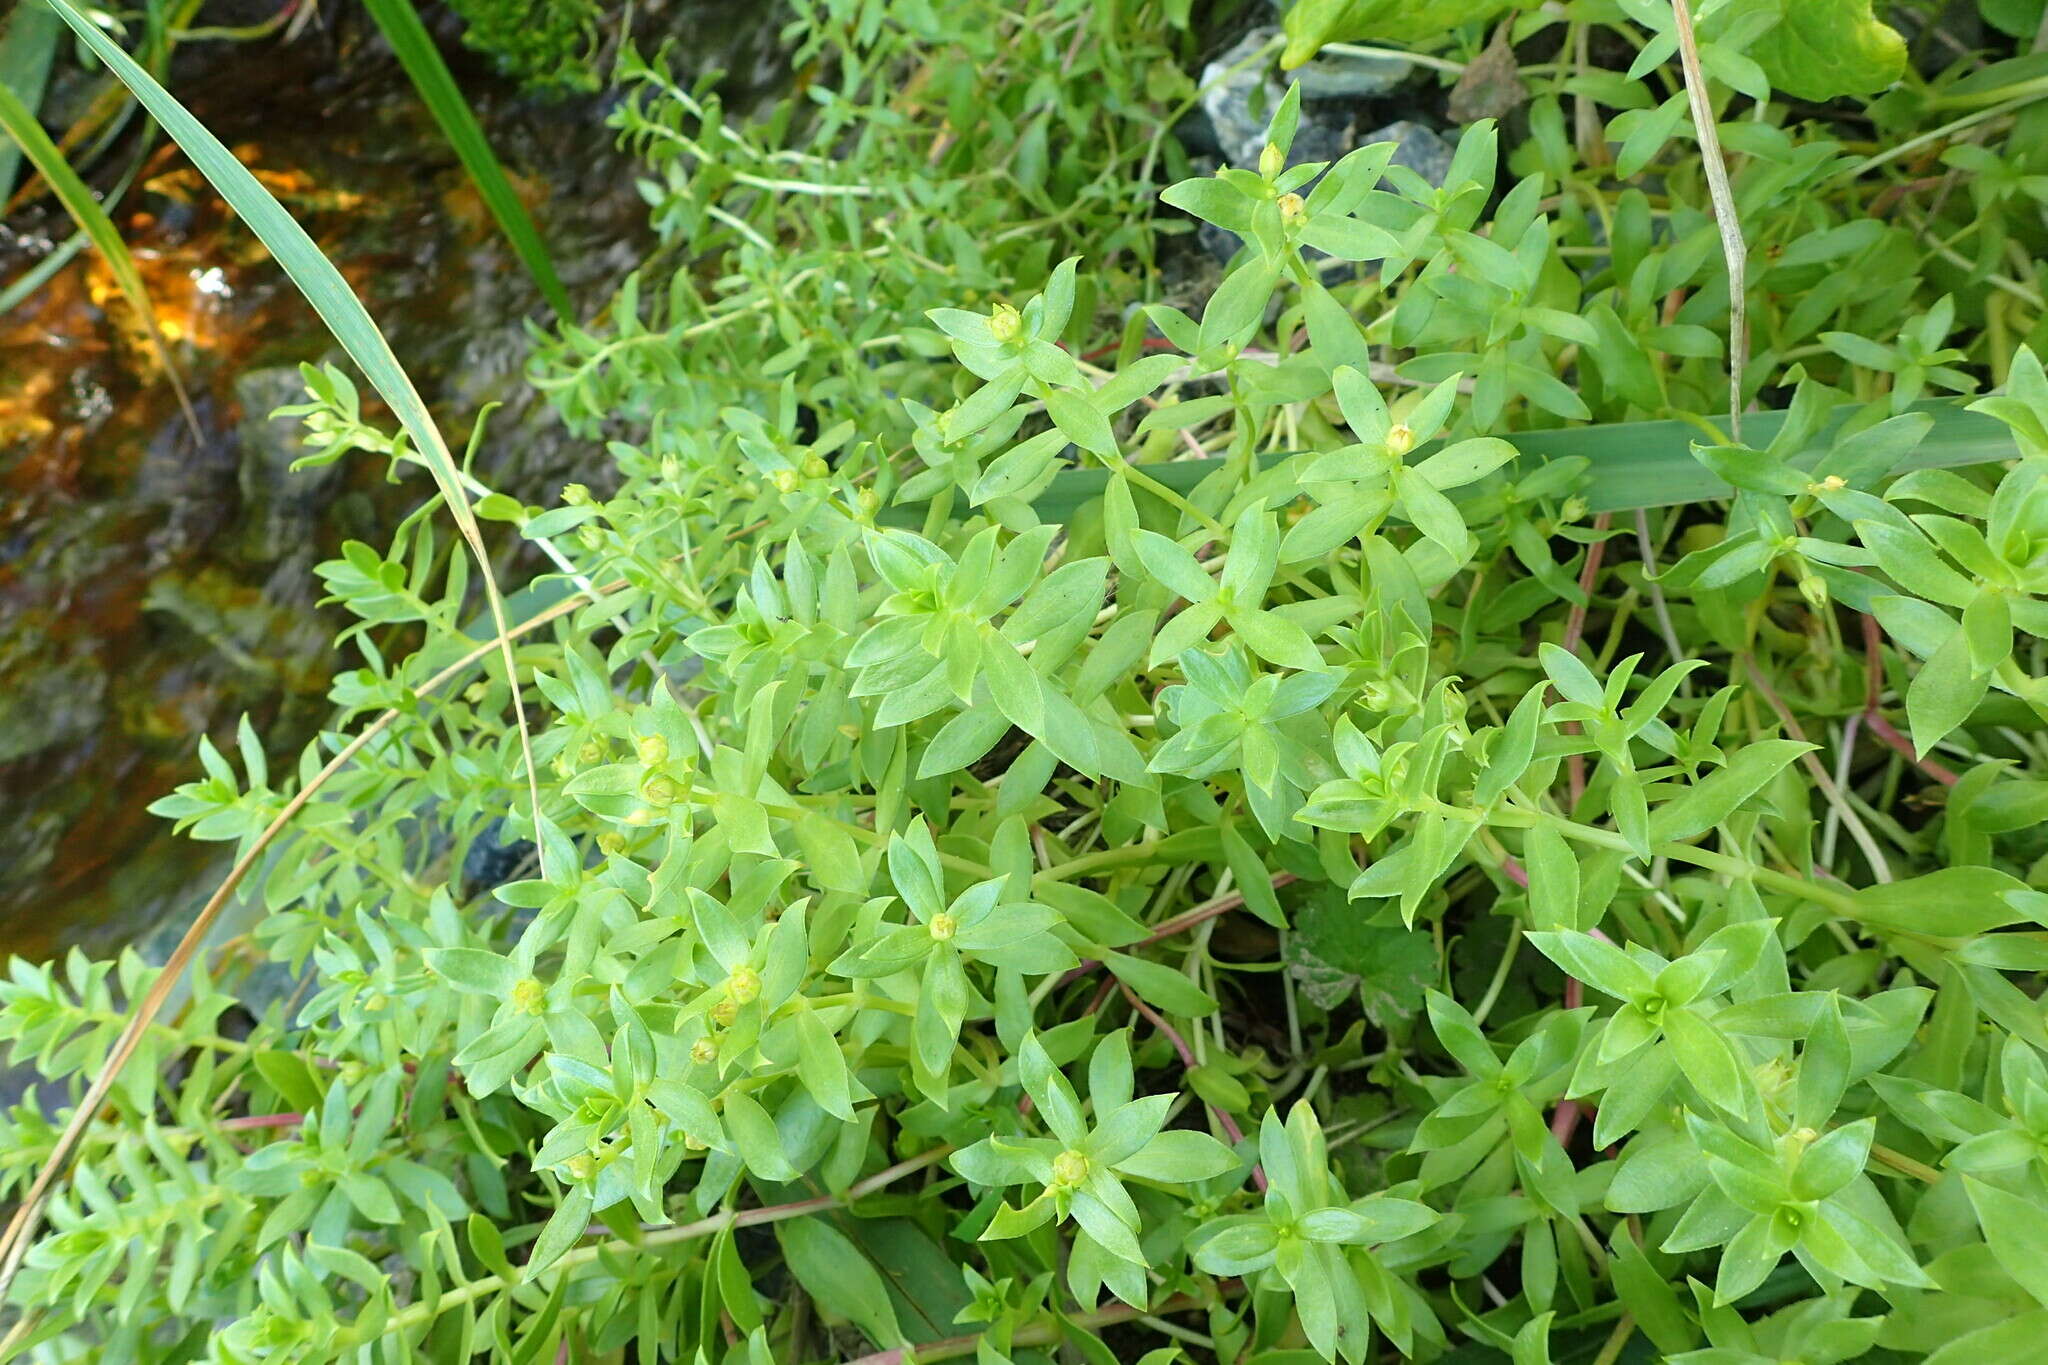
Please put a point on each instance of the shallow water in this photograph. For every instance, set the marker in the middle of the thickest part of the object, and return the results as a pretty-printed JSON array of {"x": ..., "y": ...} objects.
[{"x": 153, "y": 585}]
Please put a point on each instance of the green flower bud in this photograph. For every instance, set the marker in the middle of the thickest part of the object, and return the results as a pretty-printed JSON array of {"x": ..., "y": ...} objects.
[
  {"x": 653, "y": 751},
  {"x": 785, "y": 481},
  {"x": 744, "y": 985},
  {"x": 1069, "y": 1169},
  {"x": 1005, "y": 323},
  {"x": 575, "y": 494},
  {"x": 529, "y": 996},
  {"x": 943, "y": 926},
  {"x": 1272, "y": 161}
]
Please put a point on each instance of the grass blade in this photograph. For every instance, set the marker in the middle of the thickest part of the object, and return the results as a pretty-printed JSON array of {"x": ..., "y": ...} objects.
[
  {"x": 1634, "y": 464},
  {"x": 353, "y": 327},
  {"x": 92, "y": 220},
  {"x": 27, "y": 48},
  {"x": 408, "y": 37}
]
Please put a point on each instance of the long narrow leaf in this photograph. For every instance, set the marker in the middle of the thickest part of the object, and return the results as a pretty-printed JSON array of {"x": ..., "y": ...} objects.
[
  {"x": 27, "y": 134},
  {"x": 408, "y": 37}
]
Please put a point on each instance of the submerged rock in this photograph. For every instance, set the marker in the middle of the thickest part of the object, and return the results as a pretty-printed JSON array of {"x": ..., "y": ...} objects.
[{"x": 280, "y": 507}]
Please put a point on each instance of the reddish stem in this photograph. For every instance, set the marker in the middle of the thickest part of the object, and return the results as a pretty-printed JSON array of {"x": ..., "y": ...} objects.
[
  {"x": 1187, "y": 1060},
  {"x": 1574, "y": 629},
  {"x": 1873, "y": 692},
  {"x": 1207, "y": 910}
]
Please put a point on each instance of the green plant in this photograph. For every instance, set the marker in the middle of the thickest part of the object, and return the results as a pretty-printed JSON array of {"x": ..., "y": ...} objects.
[
  {"x": 1527, "y": 932},
  {"x": 548, "y": 46}
]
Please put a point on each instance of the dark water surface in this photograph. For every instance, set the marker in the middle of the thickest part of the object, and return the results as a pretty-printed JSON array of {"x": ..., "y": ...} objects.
[{"x": 154, "y": 587}]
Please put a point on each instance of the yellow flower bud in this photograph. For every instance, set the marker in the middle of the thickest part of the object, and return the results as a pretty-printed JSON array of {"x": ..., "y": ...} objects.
[
  {"x": 529, "y": 996},
  {"x": 653, "y": 750},
  {"x": 1272, "y": 161},
  {"x": 943, "y": 926},
  {"x": 1070, "y": 1168},
  {"x": 785, "y": 481},
  {"x": 1293, "y": 210},
  {"x": 575, "y": 494},
  {"x": 704, "y": 1052},
  {"x": 611, "y": 843},
  {"x": 1400, "y": 438}
]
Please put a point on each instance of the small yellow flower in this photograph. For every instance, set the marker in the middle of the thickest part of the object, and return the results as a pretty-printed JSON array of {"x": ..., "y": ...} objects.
[{"x": 944, "y": 926}]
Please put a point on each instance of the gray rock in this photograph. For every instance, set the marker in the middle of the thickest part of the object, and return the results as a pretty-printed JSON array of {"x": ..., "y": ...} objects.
[
  {"x": 1351, "y": 75},
  {"x": 1421, "y": 151},
  {"x": 1240, "y": 95}
]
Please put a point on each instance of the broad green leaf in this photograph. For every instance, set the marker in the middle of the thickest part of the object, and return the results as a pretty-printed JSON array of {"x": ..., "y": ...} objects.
[
  {"x": 839, "y": 1276},
  {"x": 1824, "y": 48}
]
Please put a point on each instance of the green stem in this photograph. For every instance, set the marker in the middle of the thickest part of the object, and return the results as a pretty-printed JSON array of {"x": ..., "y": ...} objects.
[
  {"x": 1095, "y": 862},
  {"x": 1841, "y": 902}
]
